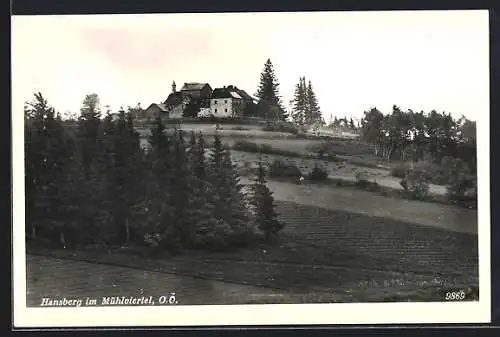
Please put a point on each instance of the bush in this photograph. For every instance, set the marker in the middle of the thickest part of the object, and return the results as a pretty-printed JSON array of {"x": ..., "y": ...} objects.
[
  {"x": 416, "y": 183},
  {"x": 246, "y": 169},
  {"x": 213, "y": 234},
  {"x": 399, "y": 171},
  {"x": 363, "y": 182},
  {"x": 247, "y": 146},
  {"x": 462, "y": 186},
  {"x": 153, "y": 241},
  {"x": 438, "y": 174},
  {"x": 239, "y": 128},
  {"x": 339, "y": 183},
  {"x": 281, "y": 127},
  {"x": 213, "y": 120},
  {"x": 279, "y": 168},
  {"x": 318, "y": 173},
  {"x": 323, "y": 149}
]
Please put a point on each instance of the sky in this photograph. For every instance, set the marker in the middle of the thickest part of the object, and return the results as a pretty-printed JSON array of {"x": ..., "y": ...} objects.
[{"x": 355, "y": 60}]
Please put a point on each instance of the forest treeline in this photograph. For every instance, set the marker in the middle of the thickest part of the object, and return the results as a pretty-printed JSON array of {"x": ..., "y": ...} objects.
[
  {"x": 415, "y": 136},
  {"x": 94, "y": 184}
]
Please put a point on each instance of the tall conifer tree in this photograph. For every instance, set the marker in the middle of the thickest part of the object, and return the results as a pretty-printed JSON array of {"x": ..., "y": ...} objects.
[
  {"x": 268, "y": 93},
  {"x": 263, "y": 203}
]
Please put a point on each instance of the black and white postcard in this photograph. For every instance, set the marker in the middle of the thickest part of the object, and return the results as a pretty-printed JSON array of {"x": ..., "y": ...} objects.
[{"x": 251, "y": 168}]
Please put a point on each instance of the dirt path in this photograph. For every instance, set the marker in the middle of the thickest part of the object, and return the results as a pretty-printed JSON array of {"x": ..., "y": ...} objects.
[{"x": 362, "y": 202}]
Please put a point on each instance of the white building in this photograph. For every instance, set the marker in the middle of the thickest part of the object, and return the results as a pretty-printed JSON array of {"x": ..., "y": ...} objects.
[{"x": 228, "y": 102}]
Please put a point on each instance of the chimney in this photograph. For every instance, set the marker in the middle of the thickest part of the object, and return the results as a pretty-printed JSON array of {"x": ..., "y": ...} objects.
[{"x": 173, "y": 87}]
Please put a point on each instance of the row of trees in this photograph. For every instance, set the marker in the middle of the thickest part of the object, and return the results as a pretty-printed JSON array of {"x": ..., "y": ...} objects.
[
  {"x": 409, "y": 135},
  {"x": 305, "y": 109},
  {"x": 344, "y": 122},
  {"x": 93, "y": 183}
]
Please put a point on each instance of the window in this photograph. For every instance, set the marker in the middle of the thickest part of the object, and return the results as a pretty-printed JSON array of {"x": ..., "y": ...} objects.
[
  {"x": 225, "y": 101},
  {"x": 226, "y": 110},
  {"x": 215, "y": 102},
  {"x": 215, "y": 110}
]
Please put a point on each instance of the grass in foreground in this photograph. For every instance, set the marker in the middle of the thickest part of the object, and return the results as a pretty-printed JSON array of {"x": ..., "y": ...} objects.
[{"x": 362, "y": 258}]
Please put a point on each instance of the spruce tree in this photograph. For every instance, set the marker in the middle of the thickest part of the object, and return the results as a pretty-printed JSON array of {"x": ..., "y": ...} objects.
[
  {"x": 200, "y": 208},
  {"x": 200, "y": 167},
  {"x": 313, "y": 115},
  {"x": 123, "y": 167},
  {"x": 181, "y": 188},
  {"x": 48, "y": 153},
  {"x": 35, "y": 144},
  {"x": 156, "y": 207},
  {"x": 236, "y": 211},
  {"x": 351, "y": 124},
  {"x": 88, "y": 129},
  {"x": 220, "y": 178},
  {"x": 268, "y": 93},
  {"x": 263, "y": 202}
]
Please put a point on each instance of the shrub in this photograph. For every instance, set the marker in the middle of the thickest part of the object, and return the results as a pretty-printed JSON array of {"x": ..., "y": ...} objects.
[
  {"x": 318, "y": 173},
  {"x": 247, "y": 146},
  {"x": 437, "y": 174},
  {"x": 323, "y": 149},
  {"x": 213, "y": 234},
  {"x": 462, "y": 186},
  {"x": 239, "y": 128},
  {"x": 247, "y": 169},
  {"x": 363, "y": 182},
  {"x": 153, "y": 241},
  {"x": 211, "y": 119},
  {"x": 339, "y": 183},
  {"x": 360, "y": 176},
  {"x": 399, "y": 171},
  {"x": 279, "y": 168},
  {"x": 416, "y": 183}
]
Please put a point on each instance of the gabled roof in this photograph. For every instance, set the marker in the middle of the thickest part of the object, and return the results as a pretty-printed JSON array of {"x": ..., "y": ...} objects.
[
  {"x": 231, "y": 92},
  {"x": 162, "y": 106},
  {"x": 193, "y": 86},
  {"x": 244, "y": 95},
  {"x": 234, "y": 94},
  {"x": 221, "y": 93}
]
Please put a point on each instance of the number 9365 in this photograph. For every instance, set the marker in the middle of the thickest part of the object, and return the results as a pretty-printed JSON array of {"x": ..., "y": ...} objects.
[{"x": 455, "y": 295}]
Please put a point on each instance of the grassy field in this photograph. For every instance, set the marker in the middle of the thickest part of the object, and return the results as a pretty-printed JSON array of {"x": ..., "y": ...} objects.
[
  {"x": 348, "y": 150},
  {"x": 339, "y": 244},
  {"x": 345, "y": 170},
  {"x": 352, "y": 156},
  {"x": 366, "y": 203},
  {"x": 351, "y": 256}
]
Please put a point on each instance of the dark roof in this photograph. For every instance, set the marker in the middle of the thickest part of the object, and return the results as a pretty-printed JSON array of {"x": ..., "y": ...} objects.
[
  {"x": 193, "y": 86},
  {"x": 221, "y": 93},
  {"x": 244, "y": 94},
  {"x": 231, "y": 92},
  {"x": 162, "y": 106}
]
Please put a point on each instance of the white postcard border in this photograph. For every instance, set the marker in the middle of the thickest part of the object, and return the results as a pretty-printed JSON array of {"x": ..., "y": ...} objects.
[{"x": 268, "y": 314}]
